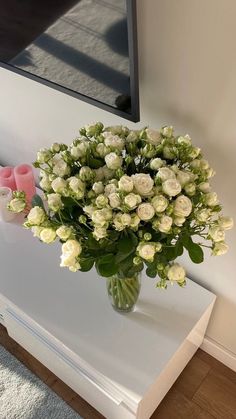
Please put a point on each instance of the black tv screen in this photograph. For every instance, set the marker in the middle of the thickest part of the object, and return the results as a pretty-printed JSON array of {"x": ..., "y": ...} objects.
[{"x": 85, "y": 48}]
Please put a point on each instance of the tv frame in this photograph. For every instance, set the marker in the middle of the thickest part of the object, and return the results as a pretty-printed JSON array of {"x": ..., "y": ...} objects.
[{"x": 134, "y": 78}]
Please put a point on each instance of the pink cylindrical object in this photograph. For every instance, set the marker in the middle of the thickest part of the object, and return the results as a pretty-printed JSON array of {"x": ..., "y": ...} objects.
[
  {"x": 7, "y": 178},
  {"x": 25, "y": 180}
]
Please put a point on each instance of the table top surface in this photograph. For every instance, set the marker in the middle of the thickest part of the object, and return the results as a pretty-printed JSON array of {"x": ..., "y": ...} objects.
[{"x": 131, "y": 349}]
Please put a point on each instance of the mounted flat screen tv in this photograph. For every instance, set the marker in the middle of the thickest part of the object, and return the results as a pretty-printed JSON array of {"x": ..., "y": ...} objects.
[{"x": 85, "y": 48}]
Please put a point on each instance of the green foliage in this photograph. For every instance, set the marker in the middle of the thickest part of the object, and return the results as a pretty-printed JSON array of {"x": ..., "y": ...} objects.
[
  {"x": 37, "y": 201},
  {"x": 194, "y": 250},
  {"x": 106, "y": 265}
]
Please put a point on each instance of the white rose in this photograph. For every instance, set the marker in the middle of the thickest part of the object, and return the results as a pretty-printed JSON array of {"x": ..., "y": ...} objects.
[
  {"x": 102, "y": 150},
  {"x": 186, "y": 140},
  {"x": 113, "y": 141},
  {"x": 204, "y": 187},
  {"x": 79, "y": 150},
  {"x": 36, "y": 230},
  {"x": 203, "y": 215},
  {"x": 76, "y": 185},
  {"x": 167, "y": 131},
  {"x": 117, "y": 222},
  {"x": 210, "y": 172},
  {"x": 101, "y": 201},
  {"x": 98, "y": 188},
  {"x": 121, "y": 221},
  {"x": 195, "y": 164},
  {"x": 143, "y": 183},
  {"x": 204, "y": 164},
  {"x": 71, "y": 248},
  {"x": 36, "y": 216},
  {"x": 184, "y": 177},
  {"x": 44, "y": 155},
  {"x": 168, "y": 152},
  {"x": 132, "y": 200},
  {"x": 135, "y": 220},
  {"x": 45, "y": 183},
  {"x": 125, "y": 219},
  {"x": 171, "y": 187},
  {"x": 54, "y": 201},
  {"x": 75, "y": 266},
  {"x": 182, "y": 206},
  {"x": 160, "y": 203},
  {"x": 99, "y": 233},
  {"x": 64, "y": 232},
  {"x": 70, "y": 262},
  {"x": 114, "y": 200},
  {"x": 219, "y": 249},
  {"x": 89, "y": 209},
  {"x": 145, "y": 211},
  {"x": 165, "y": 224},
  {"x": 126, "y": 183},
  {"x": 132, "y": 137},
  {"x": 176, "y": 273},
  {"x": 194, "y": 153},
  {"x": 86, "y": 174},
  {"x": 190, "y": 189},
  {"x": 61, "y": 168},
  {"x": 179, "y": 221},
  {"x": 153, "y": 136},
  {"x": 48, "y": 235},
  {"x": 17, "y": 205},
  {"x": 217, "y": 234},
  {"x": 226, "y": 222},
  {"x": 113, "y": 161},
  {"x": 98, "y": 218},
  {"x": 211, "y": 199},
  {"x": 157, "y": 163},
  {"x": 59, "y": 185},
  {"x": 146, "y": 251},
  {"x": 56, "y": 147},
  {"x": 107, "y": 213},
  {"x": 110, "y": 188},
  {"x": 164, "y": 173}
]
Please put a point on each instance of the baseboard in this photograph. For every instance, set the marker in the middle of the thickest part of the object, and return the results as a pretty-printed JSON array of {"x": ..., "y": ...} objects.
[{"x": 219, "y": 352}]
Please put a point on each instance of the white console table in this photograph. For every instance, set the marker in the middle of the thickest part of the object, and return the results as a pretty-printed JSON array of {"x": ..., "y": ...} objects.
[{"x": 123, "y": 365}]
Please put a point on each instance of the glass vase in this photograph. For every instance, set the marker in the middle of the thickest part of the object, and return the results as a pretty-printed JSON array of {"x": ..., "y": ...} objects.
[{"x": 124, "y": 292}]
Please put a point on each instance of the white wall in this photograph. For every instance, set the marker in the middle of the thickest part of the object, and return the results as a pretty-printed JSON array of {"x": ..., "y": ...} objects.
[{"x": 187, "y": 79}]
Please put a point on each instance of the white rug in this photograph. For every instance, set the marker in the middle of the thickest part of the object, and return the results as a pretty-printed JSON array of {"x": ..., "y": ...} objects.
[{"x": 25, "y": 396}]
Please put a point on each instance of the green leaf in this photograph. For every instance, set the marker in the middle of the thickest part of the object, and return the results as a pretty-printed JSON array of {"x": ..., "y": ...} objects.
[
  {"x": 173, "y": 252},
  {"x": 196, "y": 253},
  {"x": 37, "y": 201},
  {"x": 194, "y": 250},
  {"x": 106, "y": 265},
  {"x": 68, "y": 202},
  {"x": 125, "y": 245},
  {"x": 95, "y": 163},
  {"x": 151, "y": 272},
  {"x": 86, "y": 265}
]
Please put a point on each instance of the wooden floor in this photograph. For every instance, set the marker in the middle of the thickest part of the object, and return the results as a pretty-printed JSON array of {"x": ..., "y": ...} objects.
[{"x": 205, "y": 390}]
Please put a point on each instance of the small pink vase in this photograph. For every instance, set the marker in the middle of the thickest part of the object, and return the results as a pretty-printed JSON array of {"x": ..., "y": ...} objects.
[
  {"x": 25, "y": 180},
  {"x": 7, "y": 178}
]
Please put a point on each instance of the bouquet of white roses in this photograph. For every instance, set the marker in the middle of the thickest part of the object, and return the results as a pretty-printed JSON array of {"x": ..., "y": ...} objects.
[{"x": 123, "y": 200}]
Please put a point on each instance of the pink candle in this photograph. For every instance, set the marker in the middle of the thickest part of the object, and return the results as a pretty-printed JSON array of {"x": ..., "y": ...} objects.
[
  {"x": 7, "y": 178},
  {"x": 25, "y": 180}
]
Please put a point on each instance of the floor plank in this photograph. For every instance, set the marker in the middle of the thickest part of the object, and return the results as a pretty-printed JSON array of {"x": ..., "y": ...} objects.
[
  {"x": 176, "y": 406},
  {"x": 217, "y": 395},
  {"x": 192, "y": 377},
  {"x": 216, "y": 365}
]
